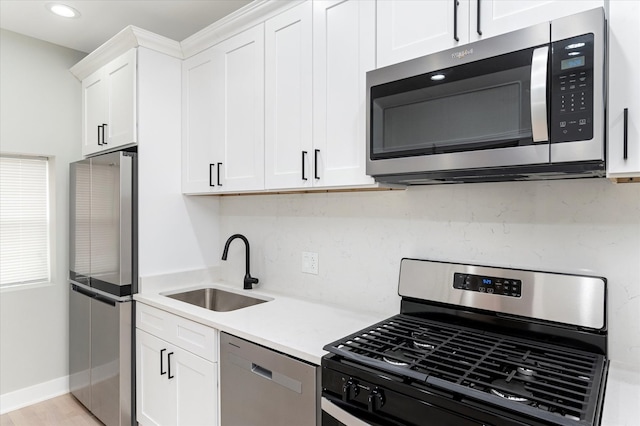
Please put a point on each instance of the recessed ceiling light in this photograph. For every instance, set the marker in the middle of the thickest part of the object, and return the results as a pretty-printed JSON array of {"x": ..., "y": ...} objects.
[
  {"x": 62, "y": 10},
  {"x": 437, "y": 77}
]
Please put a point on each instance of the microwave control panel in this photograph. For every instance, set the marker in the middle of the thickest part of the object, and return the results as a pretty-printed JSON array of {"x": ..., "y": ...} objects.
[
  {"x": 490, "y": 285},
  {"x": 572, "y": 89}
]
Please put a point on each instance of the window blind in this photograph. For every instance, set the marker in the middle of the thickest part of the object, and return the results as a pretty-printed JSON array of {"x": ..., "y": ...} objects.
[{"x": 24, "y": 220}]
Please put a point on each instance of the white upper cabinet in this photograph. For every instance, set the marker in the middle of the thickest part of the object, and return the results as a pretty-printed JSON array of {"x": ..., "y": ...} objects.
[
  {"x": 238, "y": 118},
  {"x": 223, "y": 116},
  {"x": 623, "y": 140},
  {"x": 198, "y": 147},
  {"x": 409, "y": 29},
  {"x": 94, "y": 111},
  {"x": 343, "y": 51},
  {"x": 288, "y": 87},
  {"x": 109, "y": 106},
  {"x": 501, "y": 16}
]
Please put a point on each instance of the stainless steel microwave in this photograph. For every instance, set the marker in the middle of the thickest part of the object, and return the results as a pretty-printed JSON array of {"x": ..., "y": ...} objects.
[{"x": 525, "y": 105}]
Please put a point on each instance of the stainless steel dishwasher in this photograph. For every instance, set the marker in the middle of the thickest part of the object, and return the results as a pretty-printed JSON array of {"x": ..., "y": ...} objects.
[{"x": 261, "y": 387}]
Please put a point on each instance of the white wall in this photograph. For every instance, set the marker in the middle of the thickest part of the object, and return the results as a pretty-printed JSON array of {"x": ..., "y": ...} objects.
[
  {"x": 176, "y": 232},
  {"x": 589, "y": 226},
  {"x": 40, "y": 114}
]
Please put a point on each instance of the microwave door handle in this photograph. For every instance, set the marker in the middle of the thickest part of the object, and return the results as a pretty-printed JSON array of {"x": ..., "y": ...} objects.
[{"x": 539, "y": 70}]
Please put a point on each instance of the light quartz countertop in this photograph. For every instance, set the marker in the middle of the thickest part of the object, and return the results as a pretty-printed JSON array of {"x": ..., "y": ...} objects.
[
  {"x": 301, "y": 328},
  {"x": 296, "y": 327}
]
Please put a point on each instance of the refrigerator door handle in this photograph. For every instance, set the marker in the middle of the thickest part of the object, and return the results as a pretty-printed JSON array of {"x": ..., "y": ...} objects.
[
  {"x": 92, "y": 292},
  {"x": 81, "y": 290},
  {"x": 103, "y": 299}
]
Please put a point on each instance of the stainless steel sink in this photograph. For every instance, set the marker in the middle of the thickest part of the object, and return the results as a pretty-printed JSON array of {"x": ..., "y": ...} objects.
[{"x": 216, "y": 300}]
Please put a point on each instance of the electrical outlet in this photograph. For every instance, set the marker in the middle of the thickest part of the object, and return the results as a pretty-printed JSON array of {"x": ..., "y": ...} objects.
[{"x": 310, "y": 263}]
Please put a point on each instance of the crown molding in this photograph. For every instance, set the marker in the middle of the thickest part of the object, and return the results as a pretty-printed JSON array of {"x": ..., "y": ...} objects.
[
  {"x": 130, "y": 37},
  {"x": 246, "y": 17}
]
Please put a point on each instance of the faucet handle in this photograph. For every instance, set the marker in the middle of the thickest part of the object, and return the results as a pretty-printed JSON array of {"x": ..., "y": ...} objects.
[{"x": 249, "y": 281}]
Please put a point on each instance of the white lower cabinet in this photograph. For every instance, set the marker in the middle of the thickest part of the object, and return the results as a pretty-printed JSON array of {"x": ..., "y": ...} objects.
[{"x": 175, "y": 386}]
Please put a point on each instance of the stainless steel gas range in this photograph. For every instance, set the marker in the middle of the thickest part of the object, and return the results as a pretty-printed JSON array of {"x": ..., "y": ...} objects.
[{"x": 475, "y": 345}]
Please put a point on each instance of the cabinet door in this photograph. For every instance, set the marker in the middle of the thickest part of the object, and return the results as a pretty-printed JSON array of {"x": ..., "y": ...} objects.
[
  {"x": 194, "y": 382},
  {"x": 344, "y": 50},
  {"x": 94, "y": 111},
  {"x": 624, "y": 89},
  {"x": 238, "y": 111},
  {"x": 120, "y": 76},
  {"x": 155, "y": 395},
  {"x": 288, "y": 86},
  {"x": 186, "y": 394},
  {"x": 502, "y": 16},
  {"x": 199, "y": 152},
  {"x": 408, "y": 29}
]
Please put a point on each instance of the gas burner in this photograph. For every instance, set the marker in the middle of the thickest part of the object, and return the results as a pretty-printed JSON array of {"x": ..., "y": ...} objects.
[
  {"x": 421, "y": 336},
  {"x": 515, "y": 391},
  {"x": 421, "y": 345},
  {"x": 526, "y": 373},
  {"x": 394, "y": 362}
]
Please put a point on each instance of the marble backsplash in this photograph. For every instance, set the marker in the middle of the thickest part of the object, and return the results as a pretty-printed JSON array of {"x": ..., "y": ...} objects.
[{"x": 588, "y": 226}]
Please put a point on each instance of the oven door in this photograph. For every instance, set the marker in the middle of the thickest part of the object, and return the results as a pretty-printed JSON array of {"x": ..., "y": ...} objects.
[
  {"x": 484, "y": 106},
  {"x": 334, "y": 415}
]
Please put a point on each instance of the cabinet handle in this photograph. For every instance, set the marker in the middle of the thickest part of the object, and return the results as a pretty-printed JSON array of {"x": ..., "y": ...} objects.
[
  {"x": 211, "y": 166},
  {"x": 162, "y": 372},
  {"x": 315, "y": 164},
  {"x": 104, "y": 126},
  {"x": 99, "y": 127},
  {"x": 478, "y": 29},
  {"x": 169, "y": 362},
  {"x": 303, "y": 155},
  {"x": 625, "y": 134},
  {"x": 455, "y": 20},
  {"x": 218, "y": 173}
]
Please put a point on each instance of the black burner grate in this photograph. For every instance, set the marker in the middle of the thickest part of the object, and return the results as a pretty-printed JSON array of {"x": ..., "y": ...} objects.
[{"x": 540, "y": 379}]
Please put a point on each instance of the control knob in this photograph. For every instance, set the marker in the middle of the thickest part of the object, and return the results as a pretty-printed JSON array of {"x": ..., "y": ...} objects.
[
  {"x": 350, "y": 390},
  {"x": 375, "y": 400}
]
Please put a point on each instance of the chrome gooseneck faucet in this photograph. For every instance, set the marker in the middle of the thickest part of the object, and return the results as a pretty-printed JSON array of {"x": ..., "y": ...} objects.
[{"x": 248, "y": 279}]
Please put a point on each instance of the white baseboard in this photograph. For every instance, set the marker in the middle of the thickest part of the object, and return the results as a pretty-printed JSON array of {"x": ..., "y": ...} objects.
[{"x": 37, "y": 393}]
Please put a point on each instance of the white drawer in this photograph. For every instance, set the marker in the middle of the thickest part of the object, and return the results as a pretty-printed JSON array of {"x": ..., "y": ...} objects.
[{"x": 189, "y": 335}]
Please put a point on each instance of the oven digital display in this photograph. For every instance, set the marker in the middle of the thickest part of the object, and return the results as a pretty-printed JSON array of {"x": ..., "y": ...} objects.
[
  {"x": 578, "y": 61},
  {"x": 489, "y": 285}
]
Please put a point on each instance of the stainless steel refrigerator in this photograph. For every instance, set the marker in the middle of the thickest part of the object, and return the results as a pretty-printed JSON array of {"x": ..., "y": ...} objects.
[{"x": 102, "y": 280}]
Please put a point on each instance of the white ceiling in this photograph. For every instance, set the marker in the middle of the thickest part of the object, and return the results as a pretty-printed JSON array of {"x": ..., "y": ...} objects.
[{"x": 102, "y": 19}]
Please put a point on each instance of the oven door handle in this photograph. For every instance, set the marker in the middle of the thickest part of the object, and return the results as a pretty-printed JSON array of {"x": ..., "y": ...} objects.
[
  {"x": 539, "y": 71},
  {"x": 339, "y": 414}
]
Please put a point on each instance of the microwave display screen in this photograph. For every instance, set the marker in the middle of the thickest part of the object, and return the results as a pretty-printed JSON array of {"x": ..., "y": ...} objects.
[{"x": 572, "y": 63}]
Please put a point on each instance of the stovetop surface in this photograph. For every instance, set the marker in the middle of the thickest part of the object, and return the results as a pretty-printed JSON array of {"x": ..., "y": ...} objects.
[{"x": 540, "y": 379}]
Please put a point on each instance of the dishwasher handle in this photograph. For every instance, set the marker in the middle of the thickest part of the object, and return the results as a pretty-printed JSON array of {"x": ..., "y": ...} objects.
[
  {"x": 261, "y": 371},
  {"x": 275, "y": 376}
]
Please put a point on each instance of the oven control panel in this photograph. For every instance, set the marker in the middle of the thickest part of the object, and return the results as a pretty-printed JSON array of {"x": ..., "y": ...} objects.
[{"x": 490, "y": 285}]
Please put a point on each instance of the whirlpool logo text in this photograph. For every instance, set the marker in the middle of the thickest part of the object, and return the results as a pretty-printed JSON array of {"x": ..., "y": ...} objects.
[{"x": 461, "y": 54}]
